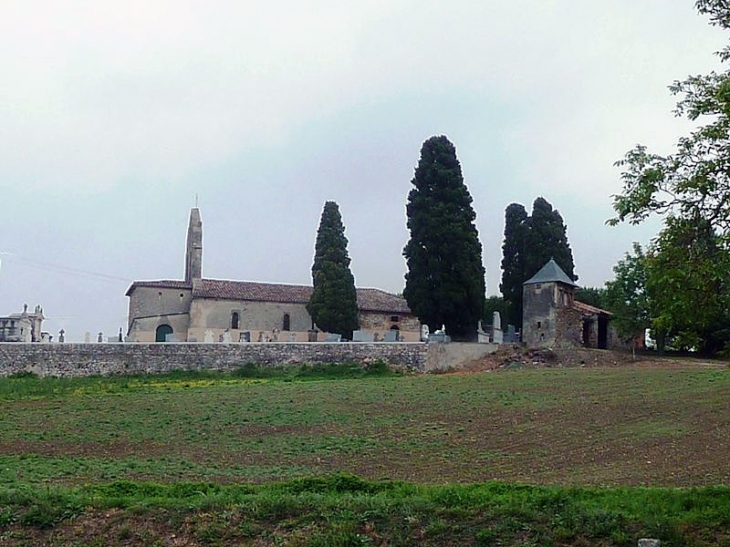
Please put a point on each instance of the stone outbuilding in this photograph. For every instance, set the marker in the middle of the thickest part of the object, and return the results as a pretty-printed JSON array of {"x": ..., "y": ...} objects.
[
  {"x": 553, "y": 318},
  {"x": 197, "y": 309}
]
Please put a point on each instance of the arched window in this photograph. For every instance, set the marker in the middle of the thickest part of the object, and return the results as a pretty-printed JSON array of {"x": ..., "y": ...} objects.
[
  {"x": 234, "y": 320},
  {"x": 162, "y": 332},
  {"x": 287, "y": 322}
]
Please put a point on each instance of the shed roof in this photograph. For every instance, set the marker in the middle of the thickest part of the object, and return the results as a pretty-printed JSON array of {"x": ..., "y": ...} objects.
[
  {"x": 588, "y": 309},
  {"x": 550, "y": 273}
]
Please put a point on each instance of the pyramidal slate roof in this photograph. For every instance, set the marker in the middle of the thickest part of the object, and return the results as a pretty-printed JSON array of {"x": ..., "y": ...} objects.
[
  {"x": 367, "y": 299},
  {"x": 550, "y": 273}
]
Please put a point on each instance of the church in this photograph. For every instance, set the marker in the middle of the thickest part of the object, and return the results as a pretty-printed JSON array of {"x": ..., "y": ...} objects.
[{"x": 197, "y": 309}]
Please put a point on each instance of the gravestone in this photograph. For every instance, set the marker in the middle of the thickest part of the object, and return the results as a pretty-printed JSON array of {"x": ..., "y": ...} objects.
[
  {"x": 100, "y": 337},
  {"x": 331, "y": 337},
  {"x": 362, "y": 336},
  {"x": 424, "y": 333},
  {"x": 244, "y": 336},
  {"x": 292, "y": 337},
  {"x": 226, "y": 337},
  {"x": 497, "y": 334},
  {"x": 61, "y": 336},
  {"x": 391, "y": 336},
  {"x": 87, "y": 337},
  {"x": 208, "y": 337}
]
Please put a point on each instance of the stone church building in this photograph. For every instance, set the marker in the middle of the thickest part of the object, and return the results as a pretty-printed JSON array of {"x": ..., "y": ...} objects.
[{"x": 212, "y": 310}]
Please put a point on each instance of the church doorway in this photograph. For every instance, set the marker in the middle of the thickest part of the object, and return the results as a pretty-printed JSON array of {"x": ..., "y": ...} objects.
[{"x": 162, "y": 332}]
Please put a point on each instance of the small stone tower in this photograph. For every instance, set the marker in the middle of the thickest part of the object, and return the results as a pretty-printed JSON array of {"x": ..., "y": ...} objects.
[
  {"x": 194, "y": 247},
  {"x": 549, "y": 317}
]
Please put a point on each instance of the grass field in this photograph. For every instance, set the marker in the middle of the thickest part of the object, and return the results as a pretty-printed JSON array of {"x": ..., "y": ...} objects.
[{"x": 101, "y": 445}]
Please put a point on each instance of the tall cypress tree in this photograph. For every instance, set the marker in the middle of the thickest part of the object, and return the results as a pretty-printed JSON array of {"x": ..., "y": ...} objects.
[
  {"x": 546, "y": 238},
  {"x": 513, "y": 261},
  {"x": 445, "y": 280},
  {"x": 529, "y": 243},
  {"x": 333, "y": 304}
]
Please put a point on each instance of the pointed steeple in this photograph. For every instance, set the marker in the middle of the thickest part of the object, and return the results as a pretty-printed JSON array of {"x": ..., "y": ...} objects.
[
  {"x": 550, "y": 273},
  {"x": 194, "y": 247}
]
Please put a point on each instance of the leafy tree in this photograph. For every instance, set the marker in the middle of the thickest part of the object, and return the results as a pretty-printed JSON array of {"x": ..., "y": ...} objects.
[
  {"x": 593, "y": 296},
  {"x": 694, "y": 182},
  {"x": 546, "y": 238},
  {"x": 333, "y": 304},
  {"x": 529, "y": 243},
  {"x": 627, "y": 295},
  {"x": 688, "y": 272},
  {"x": 445, "y": 280},
  {"x": 691, "y": 189},
  {"x": 513, "y": 262}
]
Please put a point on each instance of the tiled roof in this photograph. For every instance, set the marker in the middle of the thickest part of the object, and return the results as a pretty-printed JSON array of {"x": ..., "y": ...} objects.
[
  {"x": 377, "y": 300},
  {"x": 249, "y": 290},
  {"x": 550, "y": 273},
  {"x": 587, "y": 308},
  {"x": 367, "y": 299},
  {"x": 160, "y": 284}
]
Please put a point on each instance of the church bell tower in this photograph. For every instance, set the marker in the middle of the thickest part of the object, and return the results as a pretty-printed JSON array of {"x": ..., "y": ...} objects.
[{"x": 194, "y": 247}]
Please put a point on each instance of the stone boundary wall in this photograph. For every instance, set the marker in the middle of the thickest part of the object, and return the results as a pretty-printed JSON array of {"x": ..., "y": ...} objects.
[
  {"x": 456, "y": 355},
  {"x": 106, "y": 359}
]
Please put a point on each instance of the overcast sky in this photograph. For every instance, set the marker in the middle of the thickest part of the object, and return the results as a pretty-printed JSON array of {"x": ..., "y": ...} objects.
[{"x": 114, "y": 115}]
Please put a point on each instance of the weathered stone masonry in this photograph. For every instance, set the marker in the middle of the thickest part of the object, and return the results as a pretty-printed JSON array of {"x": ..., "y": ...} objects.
[{"x": 106, "y": 359}]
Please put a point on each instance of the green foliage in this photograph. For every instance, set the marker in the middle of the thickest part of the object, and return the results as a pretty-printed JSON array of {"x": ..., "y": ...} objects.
[
  {"x": 546, "y": 238},
  {"x": 319, "y": 371},
  {"x": 529, "y": 243},
  {"x": 691, "y": 189},
  {"x": 627, "y": 295},
  {"x": 592, "y": 296},
  {"x": 493, "y": 304},
  {"x": 513, "y": 262},
  {"x": 333, "y": 304},
  {"x": 688, "y": 271},
  {"x": 346, "y": 510},
  {"x": 445, "y": 280}
]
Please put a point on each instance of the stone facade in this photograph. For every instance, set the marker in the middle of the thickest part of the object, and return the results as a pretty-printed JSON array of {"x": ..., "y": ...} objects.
[
  {"x": 548, "y": 318},
  {"x": 211, "y": 310},
  {"x": 108, "y": 359},
  {"x": 552, "y": 318}
]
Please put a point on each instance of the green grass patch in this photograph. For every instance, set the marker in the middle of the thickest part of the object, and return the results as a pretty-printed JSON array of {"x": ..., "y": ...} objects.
[
  {"x": 342, "y": 509},
  {"x": 26, "y": 385}
]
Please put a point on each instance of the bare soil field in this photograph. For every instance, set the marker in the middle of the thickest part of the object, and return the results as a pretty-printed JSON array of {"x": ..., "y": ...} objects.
[{"x": 519, "y": 417}]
